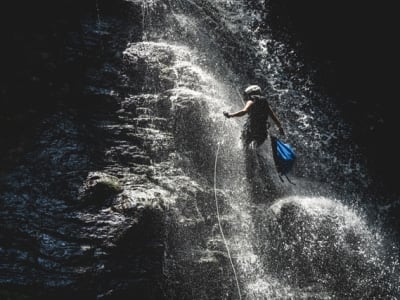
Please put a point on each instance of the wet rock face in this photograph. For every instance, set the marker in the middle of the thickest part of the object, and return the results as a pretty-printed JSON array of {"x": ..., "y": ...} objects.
[
  {"x": 172, "y": 113},
  {"x": 74, "y": 221},
  {"x": 98, "y": 205},
  {"x": 62, "y": 227},
  {"x": 319, "y": 242},
  {"x": 49, "y": 53}
]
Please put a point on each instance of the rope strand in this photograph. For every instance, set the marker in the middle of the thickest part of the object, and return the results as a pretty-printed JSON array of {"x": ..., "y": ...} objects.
[{"x": 219, "y": 222}]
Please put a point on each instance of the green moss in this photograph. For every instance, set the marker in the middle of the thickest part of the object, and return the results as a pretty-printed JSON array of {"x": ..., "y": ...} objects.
[
  {"x": 102, "y": 188},
  {"x": 111, "y": 184}
]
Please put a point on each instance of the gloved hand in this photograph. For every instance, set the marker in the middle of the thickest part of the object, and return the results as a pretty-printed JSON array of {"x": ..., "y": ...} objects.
[
  {"x": 226, "y": 114},
  {"x": 281, "y": 131}
]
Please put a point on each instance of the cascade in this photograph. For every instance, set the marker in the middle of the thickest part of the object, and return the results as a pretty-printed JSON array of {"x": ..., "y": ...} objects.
[
  {"x": 303, "y": 241},
  {"x": 134, "y": 184}
]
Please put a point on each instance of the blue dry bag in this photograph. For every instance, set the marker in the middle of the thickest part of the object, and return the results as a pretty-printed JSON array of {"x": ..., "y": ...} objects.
[{"x": 284, "y": 156}]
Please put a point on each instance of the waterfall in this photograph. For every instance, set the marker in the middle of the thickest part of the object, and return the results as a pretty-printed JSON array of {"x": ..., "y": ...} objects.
[
  {"x": 311, "y": 240},
  {"x": 129, "y": 183}
]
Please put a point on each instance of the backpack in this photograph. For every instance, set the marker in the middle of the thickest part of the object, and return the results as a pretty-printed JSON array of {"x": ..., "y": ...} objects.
[{"x": 284, "y": 157}]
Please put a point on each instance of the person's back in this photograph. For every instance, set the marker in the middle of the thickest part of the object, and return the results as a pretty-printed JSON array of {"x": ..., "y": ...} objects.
[{"x": 256, "y": 126}]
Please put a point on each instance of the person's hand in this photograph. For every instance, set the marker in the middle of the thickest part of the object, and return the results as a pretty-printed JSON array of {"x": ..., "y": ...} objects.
[
  {"x": 226, "y": 114},
  {"x": 281, "y": 131}
]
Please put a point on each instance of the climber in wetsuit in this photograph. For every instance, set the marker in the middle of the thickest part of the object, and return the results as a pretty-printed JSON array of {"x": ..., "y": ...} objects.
[
  {"x": 258, "y": 110},
  {"x": 254, "y": 133}
]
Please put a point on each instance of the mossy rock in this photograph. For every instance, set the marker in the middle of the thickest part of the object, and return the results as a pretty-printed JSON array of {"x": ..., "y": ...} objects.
[{"x": 99, "y": 187}]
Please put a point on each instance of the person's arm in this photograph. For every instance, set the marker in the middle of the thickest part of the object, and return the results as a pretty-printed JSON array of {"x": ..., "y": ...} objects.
[
  {"x": 276, "y": 120},
  {"x": 240, "y": 113}
]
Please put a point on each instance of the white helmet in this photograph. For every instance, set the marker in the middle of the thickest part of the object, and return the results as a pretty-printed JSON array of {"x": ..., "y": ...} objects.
[{"x": 252, "y": 89}]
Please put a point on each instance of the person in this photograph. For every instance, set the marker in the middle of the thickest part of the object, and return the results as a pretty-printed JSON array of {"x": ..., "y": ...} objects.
[
  {"x": 254, "y": 133},
  {"x": 258, "y": 110}
]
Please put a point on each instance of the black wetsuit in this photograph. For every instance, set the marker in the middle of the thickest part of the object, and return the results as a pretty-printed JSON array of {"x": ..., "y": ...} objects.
[{"x": 256, "y": 126}]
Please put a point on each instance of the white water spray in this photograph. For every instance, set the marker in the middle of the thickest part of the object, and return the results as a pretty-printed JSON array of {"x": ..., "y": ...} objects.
[{"x": 247, "y": 229}]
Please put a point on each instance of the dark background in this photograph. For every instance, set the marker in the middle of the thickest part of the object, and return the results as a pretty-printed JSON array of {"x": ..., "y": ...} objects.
[
  {"x": 42, "y": 67},
  {"x": 352, "y": 46}
]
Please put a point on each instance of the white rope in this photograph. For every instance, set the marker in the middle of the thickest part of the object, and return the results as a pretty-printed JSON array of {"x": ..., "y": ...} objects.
[
  {"x": 240, "y": 95},
  {"x": 219, "y": 222}
]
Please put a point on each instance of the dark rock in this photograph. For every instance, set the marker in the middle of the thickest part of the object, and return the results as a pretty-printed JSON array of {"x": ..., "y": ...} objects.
[{"x": 99, "y": 187}]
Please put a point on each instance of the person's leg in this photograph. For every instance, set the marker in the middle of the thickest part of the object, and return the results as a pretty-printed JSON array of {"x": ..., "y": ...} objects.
[
  {"x": 260, "y": 169},
  {"x": 254, "y": 170}
]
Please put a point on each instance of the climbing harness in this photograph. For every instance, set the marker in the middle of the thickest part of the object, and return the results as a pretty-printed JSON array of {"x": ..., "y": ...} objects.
[{"x": 219, "y": 221}]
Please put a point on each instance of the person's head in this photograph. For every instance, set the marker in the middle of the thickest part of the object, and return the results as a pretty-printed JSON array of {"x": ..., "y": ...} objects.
[{"x": 252, "y": 90}]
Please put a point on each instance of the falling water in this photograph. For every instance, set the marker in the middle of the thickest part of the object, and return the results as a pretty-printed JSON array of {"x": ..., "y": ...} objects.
[{"x": 306, "y": 241}]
